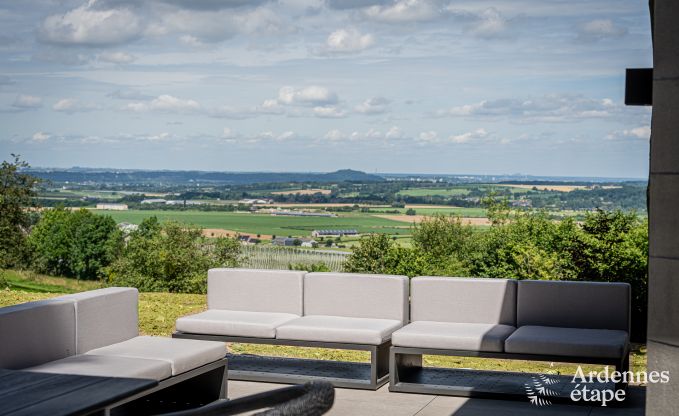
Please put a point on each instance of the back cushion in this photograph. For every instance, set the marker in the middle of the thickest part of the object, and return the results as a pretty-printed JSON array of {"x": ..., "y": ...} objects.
[
  {"x": 105, "y": 317},
  {"x": 35, "y": 333},
  {"x": 356, "y": 295},
  {"x": 464, "y": 300},
  {"x": 593, "y": 305},
  {"x": 255, "y": 290}
]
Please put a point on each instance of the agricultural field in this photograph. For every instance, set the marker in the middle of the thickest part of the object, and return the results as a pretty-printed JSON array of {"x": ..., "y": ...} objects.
[
  {"x": 265, "y": 224},
  {"x": 460, "y": 191}
]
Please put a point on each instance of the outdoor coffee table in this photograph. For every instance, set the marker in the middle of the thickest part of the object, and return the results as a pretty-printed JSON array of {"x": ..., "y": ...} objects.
[{"x": 30, "y": 393}]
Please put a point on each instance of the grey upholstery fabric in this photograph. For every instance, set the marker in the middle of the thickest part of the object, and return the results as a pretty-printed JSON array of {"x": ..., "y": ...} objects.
[
  {"x": 570, "y": 342},
  {"x": 339, "y": 329},
  {"x": 574, "y": 304},
  {"x": 107, "y": 366},
  {"x": 471, "y": 300},
  {"x": 255, "y": 290},
  {"x": 234, "y": 323},
  {"x": 34, "y": 333},
  {"x": 454, "y": 336},
  {"x": 182, "y": 354},
  {"x": 105, "y": 316},
  {"x": 356, "y": 296}
]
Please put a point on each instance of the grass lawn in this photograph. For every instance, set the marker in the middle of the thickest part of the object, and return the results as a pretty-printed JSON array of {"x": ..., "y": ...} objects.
[{"x": 159, "y": 311}]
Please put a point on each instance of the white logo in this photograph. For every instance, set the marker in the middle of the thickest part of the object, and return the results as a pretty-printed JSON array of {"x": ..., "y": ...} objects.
[{"x": 538, "y": 390}]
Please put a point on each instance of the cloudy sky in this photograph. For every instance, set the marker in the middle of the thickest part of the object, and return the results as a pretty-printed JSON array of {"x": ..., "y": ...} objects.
[{"x": 422, "y": 86}]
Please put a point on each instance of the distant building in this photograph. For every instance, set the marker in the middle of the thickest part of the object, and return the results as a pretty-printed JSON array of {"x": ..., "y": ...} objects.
[
  {"x": 290, "y": 242},
  {"x": 127, "y": 228},
  {"x": 183, "y": 202},
  {"x": 113, "y": 207},
  {"x": 255, "y": 201},
  {"x": 333, "y": 233},
  {"x": 302, "y": 213},
  {"x": 248, "y": 240},
  {"x": 522, "y": 203},
  {"x": 154, "y": 201}
]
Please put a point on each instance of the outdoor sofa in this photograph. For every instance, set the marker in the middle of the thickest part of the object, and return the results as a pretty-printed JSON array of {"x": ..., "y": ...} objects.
[
  {"x": 96, "y": 333},
  {"x": 323, "y": 310},
  {"x": 554, "y": 321}
]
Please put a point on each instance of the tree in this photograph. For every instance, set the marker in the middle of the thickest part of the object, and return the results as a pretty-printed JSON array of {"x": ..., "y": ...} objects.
[
  {"x": 411, "y": 211},
  {"x": 171, "y": 257},
  {"x": 17, "y": 193},
  {"x": 74, "y": 243}
]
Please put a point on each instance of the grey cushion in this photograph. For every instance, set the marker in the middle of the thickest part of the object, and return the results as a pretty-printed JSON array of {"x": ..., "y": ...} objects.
[
  {"x": 471, "y": 300},
  {"x": 105, "y": 316},
  {"x": 36, "y": 332},
  {"x": 255, "y": 290},
  {"x": 234, "y": 323},
  {"x": 455, "y": 336},
  {"x": 339, "y": 329},
  {"x": 569, "y": 342},
  {"x": 108, "y": 366},
  {"x": 574, "y": 304},
  {"x": 182, "y": 354},
  {"x": 356, "y": 296}
]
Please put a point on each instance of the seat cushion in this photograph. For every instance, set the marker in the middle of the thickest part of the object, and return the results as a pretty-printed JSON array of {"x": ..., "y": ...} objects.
[
  {"x": 454, "y": 336},
  {"x": 569, "y": 342},
  {"x": 107, "y": 366},
  {"x": 182, "y": 354},
  {"x": 234, "y": 323},
  {"x": 338, "y": 329}
]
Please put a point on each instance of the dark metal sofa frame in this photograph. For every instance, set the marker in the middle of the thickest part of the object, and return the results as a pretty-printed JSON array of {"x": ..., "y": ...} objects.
[
  {"x": 272, "y": 369},
  {"x": 405, "y": 367},
  {"x": 192, "y": 389}
]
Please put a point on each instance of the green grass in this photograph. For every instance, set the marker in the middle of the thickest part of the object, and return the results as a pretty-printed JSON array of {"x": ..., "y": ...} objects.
[
  {"x": 159, "y": 311},
  {"x": 264, "y": 223},
  {"x": 457, "y": 211},
  {"x": 29, "y": 281}
]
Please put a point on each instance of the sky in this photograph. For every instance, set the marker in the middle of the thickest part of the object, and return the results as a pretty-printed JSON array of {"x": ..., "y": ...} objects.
[{"x": 411, "y": 86}]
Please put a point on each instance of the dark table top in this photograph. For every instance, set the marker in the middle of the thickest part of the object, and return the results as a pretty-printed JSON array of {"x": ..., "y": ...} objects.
[{"x": 27, "y": 393}]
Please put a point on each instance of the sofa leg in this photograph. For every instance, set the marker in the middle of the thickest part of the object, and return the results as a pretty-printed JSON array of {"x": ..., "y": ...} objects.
[
  {"x": 379, "y": 364},
  {"x": 401, "y": 363},
  {"x": 623, "y": 366}
]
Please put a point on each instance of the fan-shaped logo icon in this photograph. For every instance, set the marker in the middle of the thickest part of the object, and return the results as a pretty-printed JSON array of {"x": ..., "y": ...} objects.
[{"x": 538, "y": 390}]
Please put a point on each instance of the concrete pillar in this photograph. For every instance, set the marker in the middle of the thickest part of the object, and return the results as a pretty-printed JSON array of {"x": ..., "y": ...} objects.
[{"x": 663, "y": 317}]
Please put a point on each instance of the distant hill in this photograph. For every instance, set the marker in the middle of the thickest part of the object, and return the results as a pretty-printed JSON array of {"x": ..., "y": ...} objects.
[{"x": 83, "y": 175}]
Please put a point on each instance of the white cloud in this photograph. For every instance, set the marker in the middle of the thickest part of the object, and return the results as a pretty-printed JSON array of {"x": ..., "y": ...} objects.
[
  {"x": 374, "y": 105},
  {"x": 27, "y": 102},
  {"x": 40, "y": 136},
  {"x": 166, "y": 104},
  {"x": 347, "y": 41},
  {"x": 406, "y": 11},
  {"x": 329, "y": 112},
  {"x": 199, "y": 26},
  {"x": 72, "y": 105},
  {"x": 394, "y": 133},
  {"x": 116, "y": 57},
  {"x": 643, "y": 132},
  {"x": 428, "y": 137},
  {"x": 599, "y": 29},
  {"x": 228, "y": 134},
  {"x": 469, "y": 136},
  {"x": 90, "y": 26},
  {"x": 312, "y": 95},
  {"x": 491, "y": 24},
  {"x": 553, "y": 108}
]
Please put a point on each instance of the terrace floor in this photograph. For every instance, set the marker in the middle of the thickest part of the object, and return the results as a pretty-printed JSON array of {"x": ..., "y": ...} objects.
[{"x": 382, "y": 402}]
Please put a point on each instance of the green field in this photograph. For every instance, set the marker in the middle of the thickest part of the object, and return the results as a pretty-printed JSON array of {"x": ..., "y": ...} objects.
[
  {"x": 457, "y": 190},
  {"x": 266, "y": 224}
]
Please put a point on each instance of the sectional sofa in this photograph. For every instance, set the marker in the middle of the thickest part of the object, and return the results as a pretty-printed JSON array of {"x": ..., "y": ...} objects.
[
  {"x": 554, "y": 321},
  {"x": 96, "y": 333},
  {"x": 323, "y": 310},
  {"x": 399, "y": 320}
]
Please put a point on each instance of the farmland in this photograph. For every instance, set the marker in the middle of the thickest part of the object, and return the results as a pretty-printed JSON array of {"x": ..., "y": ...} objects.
[{"x": 266, "y": 224}]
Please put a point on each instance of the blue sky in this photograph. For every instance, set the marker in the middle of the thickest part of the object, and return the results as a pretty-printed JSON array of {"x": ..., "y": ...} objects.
[{"x": 424, "y": 86}]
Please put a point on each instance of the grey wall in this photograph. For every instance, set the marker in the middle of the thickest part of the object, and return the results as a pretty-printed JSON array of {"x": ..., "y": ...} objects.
[{"x": 663, "y": 321}]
